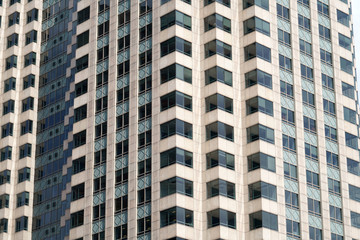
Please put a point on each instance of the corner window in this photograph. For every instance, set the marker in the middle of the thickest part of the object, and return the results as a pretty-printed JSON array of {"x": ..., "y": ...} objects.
[
  {"x": 220, "y": 187},
  {"x": 256, "y": 24},
  {"x": 221, "y": 217},
  {"x": 346, "y": 65},
  {"x": 262, "y": 190},
  {"x": 175, "y": 17},
  {"x": 175, "y": 126},
  {"x": 258, "y": 77},
  {"x": 260, "y": 132},
  {"x": 82, "y": 39},
  {"x": 176, "y": 71},
  {"x": 351, "y": 141},
  {"x": 219, "y": 129},
  {"x": 218, "y": 101},
  {"x": 350, "y": 115},
  {"x": 260, "y": 3},
  {"x": 261, "y": 160},
  {"x": 218, "y": 47},
  {"x": 217, "y": 21},
  {"x": 259, "y": 104},
  {"x": 263, "y": 219},
  {"x": 345, "y": 42},
  {"x": 9, "y": 84},
  {"x": 175, "y": 99},
  {"x": 83, "y": 15},
  {"x": 176, "y": 215},
  {"x": 176, "y": 155},
  {"x": 176, "y": 185},
  {"x": 257, "y": 50},
  {"x": 220, "y": 158},
  {"x": 175, "y": 44},
  {"x": 218, "y": 74}
]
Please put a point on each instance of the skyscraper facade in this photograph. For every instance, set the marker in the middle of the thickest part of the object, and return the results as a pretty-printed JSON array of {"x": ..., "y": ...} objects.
[{"x": 178, "y": 119}]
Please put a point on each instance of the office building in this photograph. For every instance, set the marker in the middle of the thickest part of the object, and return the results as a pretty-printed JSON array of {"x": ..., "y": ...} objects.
[{"x": 179, "y": 119}]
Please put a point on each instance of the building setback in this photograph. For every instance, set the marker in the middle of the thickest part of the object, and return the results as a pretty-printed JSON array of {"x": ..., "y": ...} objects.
[{"x": 178, "y": 119}]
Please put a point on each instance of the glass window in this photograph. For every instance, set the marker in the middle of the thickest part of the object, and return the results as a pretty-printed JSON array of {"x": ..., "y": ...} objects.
[
  {"x": 304, "y": 22},
  {"x": 80, "y": 113},
  {"x": 314, "y": 207},
  {"x": 305, "y": 47},
  {"x": 257, "y": 50},
  {"x": 14, "y": 19},
  {"x": 32, "y": 15},
  {"x": 285, "y": 63},
  {"x": 308, "y": 98},
  {"x": 83, "y": 15},
  {"x": 262, "y": 190},
  {"x": 175, "y": 44},
  {"x": 220, "y": 158},
  {"x": 11, "y": 62},
  {"x": 346, "y": 65},
  {"x": 5, "y": 153},
  {"x": 351, "y": 141},
  {"x": 220, "y": 187},
  {"x": 260, "y": 3},
  {"x": 176, "y": 71},
  {"x": 257, "y": 76},
  {"x": 82, "y": 63},
  {"x": 78, "y": 192},
  {"x": 12, "y": 40},
  {"x": 287, "y": 116},
  {"x": 324, "y": 32},
  {"x": 284, "y": 37},
  {"x": 30, "y": 37},
  {"x": 175, "y": 17},
  {"x": 315, "y": 233},
  {"x": 176, "y": 98},
  {"x": 332, "y": 159},
  {"x": 21, "y": 224},
  {"x": 330, "y": 133},
  {"x": 217, "y": 21},
  {"x": 218, "y": 74},
  {"x": 325, "y": 56},
  {"x": 263, "y": 219},
  {"x": 218, "y": 101},
  {"x": 327, "y": 81},
  {"x": 343, "y": 18},
  {"x": 289, "y": 143},
  {"x": 286, "y": 89},
  {"x": 329, "y": 107},
  {"x": 310, "y": 124},
  {"x": 217, "y": 47},
  {"x": 176, "y": 215},
  {"x": 349, "y": 115},
  {"x": 24, "y": 175},
  {"x": 29, "y": 81},
  {"x": 176, "y": 185},
  {"x": 348, "y": 90},
  {"x": 336, "y": 214},
  {"x": 176, "y": 155},
  {"x": 82, "y": 39},
  {"x": 283, "y": 12},
  {"x": 292, "y": 199},
  {"x": 219, "y": 129},
  {"x": 256, "y": 24},
  {"x": 175, "y": 126},
  {"x": 259, "y": 104},
  {"x": 355, "y": 219},
  {"x": 261, "y": 160},
  {"x": 311, "y": 151},
  {"x": 221, "y": 217},
  {"x": 323, "y": 8},
  {"x": 312, "y": 179},
  {"x": 334, "y": 186},
  {"x": 354, "y": 193},
  {"x": 9, "y": 84},
  {"x": 25, "y": 150},
  {"x": 81, "y": 88},
  {"x": 260, "y": 132},
  {"x": 79, "y": 139},
  {"x": 223, "y": 2},
  {"x": 78, "y": 165},
  {"x": 290, "y": 171},
  {"x": 4, "y": 201},
  {"x": 292, "y": 228},
  {"x": 77, "y": 219},
  {"x": 345, "y": 42}
]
